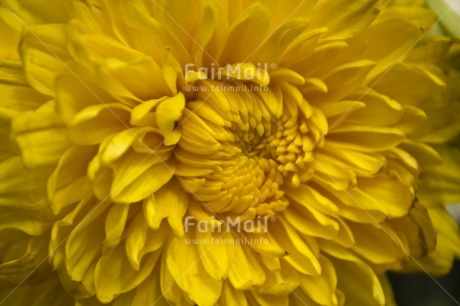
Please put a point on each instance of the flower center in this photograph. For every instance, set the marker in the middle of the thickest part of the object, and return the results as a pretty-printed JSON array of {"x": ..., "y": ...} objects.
[{"x": 239, "y": 146}]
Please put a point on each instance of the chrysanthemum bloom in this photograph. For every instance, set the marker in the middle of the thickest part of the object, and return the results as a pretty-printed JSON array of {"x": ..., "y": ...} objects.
[{"x": 229, "y": 153}]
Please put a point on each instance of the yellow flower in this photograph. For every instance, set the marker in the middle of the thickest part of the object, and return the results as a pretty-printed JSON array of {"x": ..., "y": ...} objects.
[{"x": 224, "y": 153}]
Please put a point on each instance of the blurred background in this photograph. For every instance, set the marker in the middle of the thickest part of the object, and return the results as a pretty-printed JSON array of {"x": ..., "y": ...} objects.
[{"x": 422, "y": 290}]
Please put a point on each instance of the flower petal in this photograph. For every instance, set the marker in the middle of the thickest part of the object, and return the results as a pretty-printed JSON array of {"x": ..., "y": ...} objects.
[
  {"x": 246, "y": 270},
  {"x": 359, "y": 283},
  {"x": 216, "y": 251},
  {"x": 365, "y": 138},
  {"x": 113, "y": 274},
  {"x": 43, "y": 53},
  {"x": 185, "y": 266},
  {"x": 17, "y": 95},
  {"x": 169, "y": 202},
  {"x": 345, "y": 19},
  {"x": 138, "y": 176},
  {"x": 321, "y": 289}
]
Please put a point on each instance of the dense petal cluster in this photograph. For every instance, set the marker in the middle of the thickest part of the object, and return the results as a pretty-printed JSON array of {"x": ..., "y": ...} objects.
[{"x": 224, "y": 152}]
